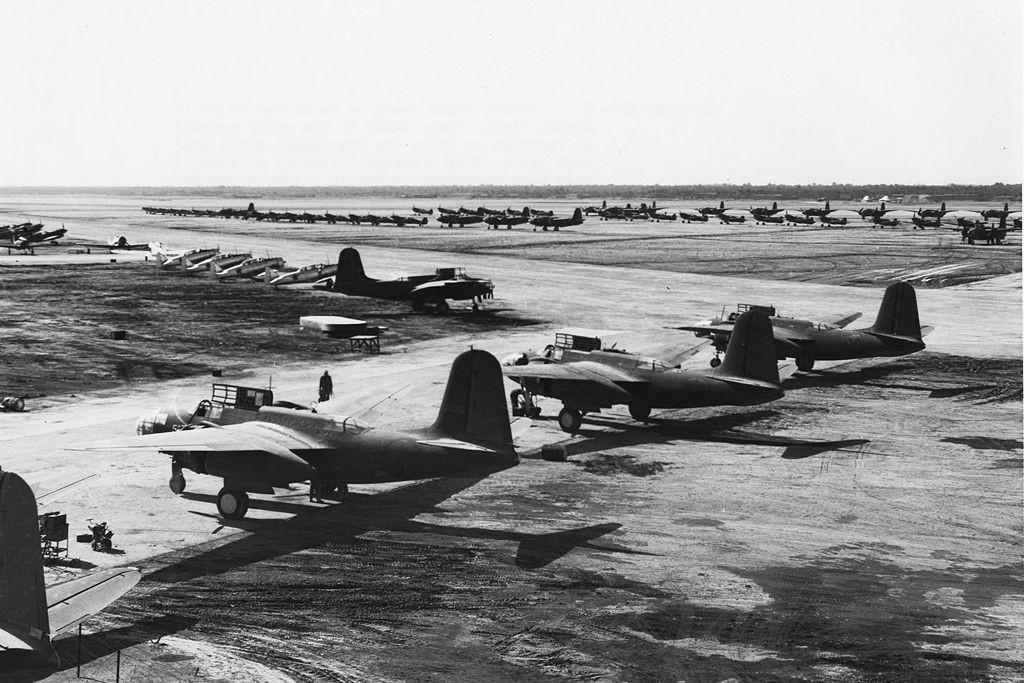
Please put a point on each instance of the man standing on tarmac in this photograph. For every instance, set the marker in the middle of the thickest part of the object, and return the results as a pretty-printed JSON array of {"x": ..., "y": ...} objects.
[{"x": 326, "y": 387}]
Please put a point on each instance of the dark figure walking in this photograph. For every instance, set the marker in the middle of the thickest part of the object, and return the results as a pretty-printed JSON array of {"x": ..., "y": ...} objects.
[{"x": 326, "y": 387}]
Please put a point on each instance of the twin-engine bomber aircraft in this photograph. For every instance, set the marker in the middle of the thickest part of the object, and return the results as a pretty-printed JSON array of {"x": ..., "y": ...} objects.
[
  {"x": 282, "y": 446},
  {"x": 421, "y": 290},
  {"x": 749, "y": 376},
  {"x": 897, "y": 331},
  {"x": 30, "y": 613}
]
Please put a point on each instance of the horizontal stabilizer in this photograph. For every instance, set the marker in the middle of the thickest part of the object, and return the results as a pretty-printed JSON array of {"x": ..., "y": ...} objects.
[
  {"x": 455, "y": 444},
  {"x": 749, "y": 382},
  {"x": 844, "y": 319},
  {"x": 75, "y": 601}
]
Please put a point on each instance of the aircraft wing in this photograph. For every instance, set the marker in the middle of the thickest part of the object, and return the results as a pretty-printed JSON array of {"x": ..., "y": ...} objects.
[
  {"x": 843, "y": 319},
  {"x": 707, "y": 330},
  {"x": 445, "y": 442},
  {"x": 247, "y": 436},
  {"x": 75, "y": 601},
  {"x": 583, "y": 372}
]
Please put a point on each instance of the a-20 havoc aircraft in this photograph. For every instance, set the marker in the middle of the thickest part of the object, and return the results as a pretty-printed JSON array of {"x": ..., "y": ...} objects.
[
  {"x": 546, "y": 222},
  {"x": 421, "y": 290},
  {"x": 282, "y": 446},
  {"x": 30, "y": 613},
  {"x": 897, "y": 331},
  {"x": 601, "y": 379}
]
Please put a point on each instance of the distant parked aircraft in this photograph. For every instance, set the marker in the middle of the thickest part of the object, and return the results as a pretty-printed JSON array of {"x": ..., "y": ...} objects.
[{"x": 420, "y": 290}]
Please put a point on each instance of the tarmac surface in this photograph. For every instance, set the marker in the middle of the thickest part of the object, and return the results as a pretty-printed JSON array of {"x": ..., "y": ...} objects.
[{"x": 866, "y": 526}]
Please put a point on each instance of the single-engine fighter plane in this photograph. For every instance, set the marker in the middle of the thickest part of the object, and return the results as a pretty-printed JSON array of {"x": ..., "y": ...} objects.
[
  {"x": 729, "y": 218},
  {"x": 933, "y": 213},
  {"x": 923, "y": 222},
  {"x": 881, "y": 221},
  {"x": 420, "y": 290},
  {"x": 897, "y": 331},
  {"x": 713, "y": 210},
  {"x": 281, "y": 446},
  {"x": 748, "y": 376},
  {"x": 758, "y": 212},
  {"x": 869, "y": 213},
  {"x": 121, "y": 243},
  {"x": 996, "y": 214},
  {"x": 31, "y": 614},
  {"x": 690, "y": 216},
  {"x": 507, "y": 220},
  {"x": 423, "y": 212},
  {"x": 818, "y": 211},
  {"x": 797, "y": 219},
  {"x": 832, "y": 220},
  {"x": 312, "y": 273},
  {"x": 765, "y": 219}
]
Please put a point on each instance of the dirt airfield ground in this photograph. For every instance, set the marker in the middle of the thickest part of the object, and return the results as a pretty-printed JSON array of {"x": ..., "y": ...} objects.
[{"x": 866, "y": 526}]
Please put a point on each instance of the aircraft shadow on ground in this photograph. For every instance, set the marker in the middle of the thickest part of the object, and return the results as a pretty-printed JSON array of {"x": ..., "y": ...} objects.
[
  {"x": 539, "y": 550},
  {"x": 72, "y": 651},
  {"x": 829, "y": 378},
  {"x": 718, "y": 429}
]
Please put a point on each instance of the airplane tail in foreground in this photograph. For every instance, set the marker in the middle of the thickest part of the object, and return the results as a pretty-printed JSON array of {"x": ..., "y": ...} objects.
[
  {"x": 897, "y": 316},
  {"x": 30, "y": 615},
  {"x": 750, "y": 356},
  {"x": 24, "y": 623},
  {"x": 350, "y": 267},
  {"x": 474, "y": 407}
]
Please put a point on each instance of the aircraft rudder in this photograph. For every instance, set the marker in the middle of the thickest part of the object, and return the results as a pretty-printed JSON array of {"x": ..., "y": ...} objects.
[
  {"x": 897, "y": 314},
  {"x": 751, "y": 350},
  {"x": 350, "y": 267},
  {"x": 23, "y": 610},
  {"x": 474, "y": 407}
]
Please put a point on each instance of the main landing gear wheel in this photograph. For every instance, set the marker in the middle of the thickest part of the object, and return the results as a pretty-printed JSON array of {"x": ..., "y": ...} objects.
[
  {"x": 716, "y": 361},
  {"x": 638, "y": 412},
  {"x": 805, "y": 364},
  {"x": 177, "y": 483},
  {"x": 570, "y": 419},
  {"x": 443, "y": 307},
  {"x": 232, "y": 504}
]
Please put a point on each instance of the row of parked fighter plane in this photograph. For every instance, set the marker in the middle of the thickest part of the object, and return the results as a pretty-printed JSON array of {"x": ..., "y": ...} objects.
[
  {"x": 28, "y": 235},
  {"x": 423, "y": 292},
  {"x": 449, "y": 217}
]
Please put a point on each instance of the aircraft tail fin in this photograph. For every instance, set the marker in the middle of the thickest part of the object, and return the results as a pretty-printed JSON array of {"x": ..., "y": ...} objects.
[
  {"x": 577, "y": 215},
  {"x": 943, "y": 207},
  {"x": 750, "y": 354},
  {"x": 897, "y": 316},
  {"x": 24, "y": 621},
  {"x": 350, "y": 267},
  {"x": 474, "y": 408}
]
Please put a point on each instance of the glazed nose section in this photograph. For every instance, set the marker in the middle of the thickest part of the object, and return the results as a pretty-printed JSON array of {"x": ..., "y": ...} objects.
[
  {"x": 156, "y": 422},
  {"x": 147, "y": 423}
]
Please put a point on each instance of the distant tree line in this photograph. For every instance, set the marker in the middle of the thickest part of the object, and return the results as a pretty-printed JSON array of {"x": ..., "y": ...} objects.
[{"x": 835, "y": 191}]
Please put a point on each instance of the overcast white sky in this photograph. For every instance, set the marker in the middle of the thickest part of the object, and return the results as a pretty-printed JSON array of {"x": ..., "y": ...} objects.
[{"x": 361, "y": 93}]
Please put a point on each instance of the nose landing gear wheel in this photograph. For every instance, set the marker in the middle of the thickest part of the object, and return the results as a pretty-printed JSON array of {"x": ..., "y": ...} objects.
[
  {"x": 443, "y": 308},
  {"x": 638, "y": 412},
  {"x": 177, "y": 483},
  {"x": 716, "y": 361},
  {"x": 805, "y": 364},
  {"x": 232, "y": 504},
  {"x": 570, "y": 420}
]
